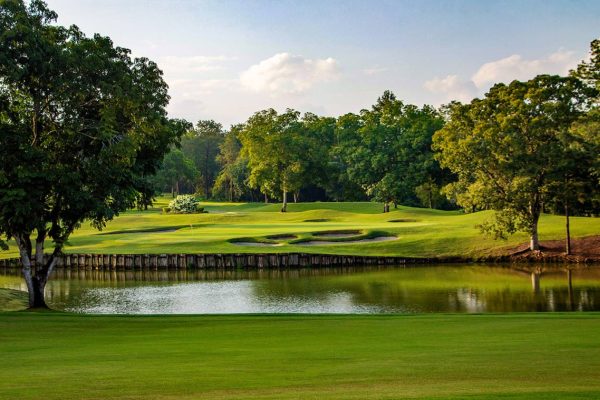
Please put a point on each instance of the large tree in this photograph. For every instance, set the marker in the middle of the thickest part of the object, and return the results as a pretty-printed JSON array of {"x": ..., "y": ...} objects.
[
  {"x": 231, "y": 181},
  {"x": 82, "y": 128},
  {"x": 507, "y": 148},
  {"x": 176, "y": 171},
  {"x": 275, "y": 147},
  {"x": 201, "y": 145},
  {"x": 387, "y": 150}
]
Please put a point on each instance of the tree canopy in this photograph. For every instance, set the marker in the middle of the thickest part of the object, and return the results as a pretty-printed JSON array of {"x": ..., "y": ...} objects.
[
  {"x": 83, "y": 128},
  {"x": 506, "y": 148}
]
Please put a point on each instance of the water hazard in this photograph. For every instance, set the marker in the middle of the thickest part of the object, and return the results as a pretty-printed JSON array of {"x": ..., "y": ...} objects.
[{"x": 463, "y": 289}]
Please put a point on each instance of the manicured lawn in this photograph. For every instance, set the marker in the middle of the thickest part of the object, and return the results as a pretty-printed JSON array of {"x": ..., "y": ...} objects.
[
  {"x": 421, "y": 232},
  {"x": 516, "y": 356}
]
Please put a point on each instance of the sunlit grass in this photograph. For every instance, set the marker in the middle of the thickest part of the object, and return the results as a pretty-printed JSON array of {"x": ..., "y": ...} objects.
[
  {"x": 515, "y": 356},
  {"x": 421, "y": 232}
]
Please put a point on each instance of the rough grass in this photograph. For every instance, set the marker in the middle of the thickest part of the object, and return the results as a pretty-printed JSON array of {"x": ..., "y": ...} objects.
[
  {"x": 422, "y": 232},
  {"x": 515, "y": 356}
]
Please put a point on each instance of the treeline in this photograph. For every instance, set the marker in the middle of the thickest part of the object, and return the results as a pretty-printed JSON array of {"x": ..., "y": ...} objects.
[
  {"x": 523, "y": 149},
  {"x": 383, "y": 154}
]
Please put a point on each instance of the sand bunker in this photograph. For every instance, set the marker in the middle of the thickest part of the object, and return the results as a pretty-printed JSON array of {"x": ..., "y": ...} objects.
[{"x": 327, "y": 242}]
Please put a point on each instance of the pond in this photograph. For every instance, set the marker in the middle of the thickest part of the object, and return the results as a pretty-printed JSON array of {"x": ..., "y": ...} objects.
[{"x": 456, "y": 288}]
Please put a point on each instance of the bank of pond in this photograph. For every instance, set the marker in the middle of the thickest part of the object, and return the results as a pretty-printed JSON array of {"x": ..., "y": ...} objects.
[{"x": 401, "y": 289}]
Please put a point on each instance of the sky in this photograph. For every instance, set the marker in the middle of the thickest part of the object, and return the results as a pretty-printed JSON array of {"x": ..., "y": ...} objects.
[{"x": 225, "y": 59}]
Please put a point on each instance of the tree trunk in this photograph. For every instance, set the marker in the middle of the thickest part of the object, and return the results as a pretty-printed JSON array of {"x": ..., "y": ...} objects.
[
  {"x": 35, "y": 283},
  {"x": 38, "y": 300},
  {"x": 534, "y": 243},
  {"x": 172, "y": 191},
  {"x": 266, "y": 199},
  {"x": 177, "y": 187},
  {"x": 568, "y": 241},
  {"x": 230, "y": 190},
  {"x": 284, "y": 206},
  {"x": 430, "y": 198},
  {"x": 296, "y": 195}
]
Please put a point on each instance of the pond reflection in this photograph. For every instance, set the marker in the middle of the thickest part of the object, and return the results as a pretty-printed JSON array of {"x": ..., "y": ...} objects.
[{"x": 463, "y": 289}]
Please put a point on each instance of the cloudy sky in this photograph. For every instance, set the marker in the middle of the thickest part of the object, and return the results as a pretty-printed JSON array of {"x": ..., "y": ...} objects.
[{"x": 226, "y": 59}]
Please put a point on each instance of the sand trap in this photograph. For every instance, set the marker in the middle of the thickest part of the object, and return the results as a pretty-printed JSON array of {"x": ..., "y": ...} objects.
[
  {"x": 256, "y": 244},
  {"x": 327, "y": 242}
]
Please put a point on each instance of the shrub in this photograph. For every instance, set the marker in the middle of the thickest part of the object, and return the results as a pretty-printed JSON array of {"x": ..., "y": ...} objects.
[
  {"x": 166, "y": 210},
  {"x": 184, "y": 204}
]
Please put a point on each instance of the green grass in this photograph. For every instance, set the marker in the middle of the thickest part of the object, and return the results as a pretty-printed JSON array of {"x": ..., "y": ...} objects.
[
  {"x": 421, "y": 232},
  {"x": 514, "y": 356}
]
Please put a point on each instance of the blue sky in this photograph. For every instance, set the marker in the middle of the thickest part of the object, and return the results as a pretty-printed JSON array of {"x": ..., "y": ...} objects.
[{"x": 224, "y": 60}]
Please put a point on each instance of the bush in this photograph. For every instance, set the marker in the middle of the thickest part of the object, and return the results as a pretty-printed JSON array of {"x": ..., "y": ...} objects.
[
  {"x": 184, "y": 204},
  {"x": 166, "y": 210}
]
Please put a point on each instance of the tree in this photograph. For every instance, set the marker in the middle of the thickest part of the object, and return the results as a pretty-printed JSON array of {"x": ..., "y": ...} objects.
[
  {"x": 505, "y": 148},
  {"x": 273, "y": 145},
  {"x": 83, "y": 127},
  {"x": 175, "y": 171},
  {"x": 201, "y": 145},
  {"x": 231, "y": 180},
  {"x": 387, "y": 150}
]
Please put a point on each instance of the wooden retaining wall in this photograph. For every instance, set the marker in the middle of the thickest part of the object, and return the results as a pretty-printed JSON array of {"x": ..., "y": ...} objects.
[{"x": 200, "y": 261}]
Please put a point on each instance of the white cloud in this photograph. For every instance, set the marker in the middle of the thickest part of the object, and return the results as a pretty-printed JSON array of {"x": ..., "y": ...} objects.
[
  {"x": 503, "y": 70},
  {"x": 452, "y": 88},
  {"x": 287, "y": 73},
  {"x": 516, "y": 67},
  {"x": 177, "y": 65}
]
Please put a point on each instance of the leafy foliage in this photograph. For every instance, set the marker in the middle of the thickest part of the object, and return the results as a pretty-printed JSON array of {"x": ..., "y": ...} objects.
[
  {"x": 506, "y": 148},
  {"x": 184, "y": 204},
  {"x": 83, "y": 127}
]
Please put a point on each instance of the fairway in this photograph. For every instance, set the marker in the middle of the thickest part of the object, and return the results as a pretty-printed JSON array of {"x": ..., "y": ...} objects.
[
  {"x": 517, "y": 356},
  {"x": 415, "y": 232}
]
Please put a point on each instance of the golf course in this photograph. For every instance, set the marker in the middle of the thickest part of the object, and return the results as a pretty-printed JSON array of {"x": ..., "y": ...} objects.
[
  {"x": 299, "y": 200},
  {"x": 328, "y": 227},
  {"x": 279, "y": 356}
]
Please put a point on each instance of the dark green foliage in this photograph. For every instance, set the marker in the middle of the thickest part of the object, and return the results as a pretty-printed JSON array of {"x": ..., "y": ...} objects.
[
  {"x": 387, "y": 150},
  {"x": 201, "y": 146},
  {"x": 83, "y": 127},
  {"x": 177, "y": 173},
  {"x": 507, "y": 148}
]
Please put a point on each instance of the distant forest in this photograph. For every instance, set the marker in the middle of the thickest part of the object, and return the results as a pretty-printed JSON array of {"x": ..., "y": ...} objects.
[
  {"x": 524, "y": 144},
  {"x": 382, "y": 154}
]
